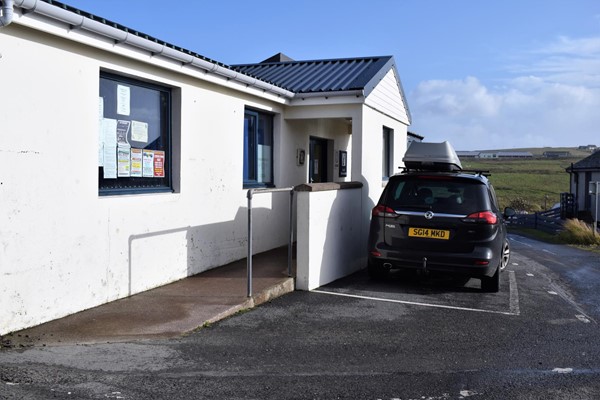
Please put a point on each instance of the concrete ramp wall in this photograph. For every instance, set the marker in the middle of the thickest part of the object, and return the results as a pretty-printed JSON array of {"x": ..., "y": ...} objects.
[{"x": 329, "y": 239}]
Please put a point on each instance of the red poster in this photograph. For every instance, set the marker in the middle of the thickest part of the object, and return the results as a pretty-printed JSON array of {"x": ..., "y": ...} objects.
[{"x": 159, "y": 164}]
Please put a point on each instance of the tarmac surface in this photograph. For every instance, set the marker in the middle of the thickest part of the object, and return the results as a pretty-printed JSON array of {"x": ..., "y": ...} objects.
[{"x": 168, "y": 311}]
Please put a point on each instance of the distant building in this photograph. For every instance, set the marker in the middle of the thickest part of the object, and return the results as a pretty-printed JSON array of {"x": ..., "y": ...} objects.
[
  {"x": 557, "y": 154},
  {"x": 590, "y": 147},
  {"x": 515, "y": 154},
  {"x": 467, "y": 154},
  {"x": 488, "y": 155},
  {"x": 495, "y": 154}
]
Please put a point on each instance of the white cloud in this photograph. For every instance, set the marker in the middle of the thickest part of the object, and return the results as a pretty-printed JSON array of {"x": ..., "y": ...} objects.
[{"x": 555, "y": 101}]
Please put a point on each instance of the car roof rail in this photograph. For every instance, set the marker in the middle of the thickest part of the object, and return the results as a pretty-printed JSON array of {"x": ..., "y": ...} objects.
[{"x": 405, "y": 170}]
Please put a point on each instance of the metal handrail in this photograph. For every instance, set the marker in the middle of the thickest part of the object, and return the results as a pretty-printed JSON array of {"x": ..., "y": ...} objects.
[{"x": 249, "y": 195}]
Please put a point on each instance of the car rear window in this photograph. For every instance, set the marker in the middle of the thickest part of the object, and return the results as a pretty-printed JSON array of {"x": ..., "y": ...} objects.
[{"x": 439, "y": 194}]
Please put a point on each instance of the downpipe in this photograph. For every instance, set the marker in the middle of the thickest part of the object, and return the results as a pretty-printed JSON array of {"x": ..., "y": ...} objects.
[{"x": 7, "y": 11}]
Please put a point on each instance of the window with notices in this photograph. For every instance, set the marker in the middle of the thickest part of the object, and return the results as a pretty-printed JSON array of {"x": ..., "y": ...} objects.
[{"x": 134, "y": 136}]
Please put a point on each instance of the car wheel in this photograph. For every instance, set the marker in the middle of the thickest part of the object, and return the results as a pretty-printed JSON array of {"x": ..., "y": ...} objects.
[
  {"x": 492, "y": 284},
  {"x": 377, "y": 271},
  {"x": 505, "y": 258}
]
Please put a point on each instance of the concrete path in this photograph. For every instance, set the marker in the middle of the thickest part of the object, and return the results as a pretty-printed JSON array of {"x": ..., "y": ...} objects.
[{"x": 168, "y": 311}]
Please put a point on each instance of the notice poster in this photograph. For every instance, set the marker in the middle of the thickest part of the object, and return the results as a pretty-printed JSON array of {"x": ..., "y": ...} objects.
[
  {"x": 123, "y": 100},
  {"x": 148, "y": 163},
  {"x": 139, "y": 131},
  {"x": 159, "y": 164},
  {"x": 136, "y": 163},
  {"x": 110, "y": 162},
  {"x": 122, "y": 130},
  {"x": 109, "y": 148},
  {"x": 123, "y": 161}
]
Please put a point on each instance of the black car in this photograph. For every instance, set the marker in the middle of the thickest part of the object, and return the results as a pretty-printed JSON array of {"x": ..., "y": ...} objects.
[{"x": 435, "y": 217}]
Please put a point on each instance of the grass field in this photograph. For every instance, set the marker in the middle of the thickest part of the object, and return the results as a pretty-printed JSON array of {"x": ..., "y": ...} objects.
[{"x": 536, "y": 183}]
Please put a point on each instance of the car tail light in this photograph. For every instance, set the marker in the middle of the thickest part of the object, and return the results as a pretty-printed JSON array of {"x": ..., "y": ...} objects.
[
  {"x": 482, "y": 217},
  {"x": 383, "y": 211}
]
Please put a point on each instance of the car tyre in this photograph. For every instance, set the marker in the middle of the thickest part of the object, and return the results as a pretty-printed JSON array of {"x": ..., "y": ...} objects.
[{"x": 491, "y": 285}]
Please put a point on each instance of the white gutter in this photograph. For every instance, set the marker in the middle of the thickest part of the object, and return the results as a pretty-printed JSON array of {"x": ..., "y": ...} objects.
[
  {"x": 356, "y": 93},
  {"x": 77, "y": 21}
]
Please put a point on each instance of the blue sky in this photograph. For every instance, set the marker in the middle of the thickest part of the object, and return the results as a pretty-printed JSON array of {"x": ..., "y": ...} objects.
[{"x": 480, "y": 74}]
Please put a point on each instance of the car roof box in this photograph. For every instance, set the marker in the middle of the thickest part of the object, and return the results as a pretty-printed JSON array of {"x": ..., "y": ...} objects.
[{"x": 432, "y": 157}]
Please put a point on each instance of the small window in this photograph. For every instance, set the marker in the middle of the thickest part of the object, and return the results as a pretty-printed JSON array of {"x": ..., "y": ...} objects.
[
  {"x": 258, "y": 149},
  {"x": 386, "y": 167},
  {"x": 134, "y": 154}
]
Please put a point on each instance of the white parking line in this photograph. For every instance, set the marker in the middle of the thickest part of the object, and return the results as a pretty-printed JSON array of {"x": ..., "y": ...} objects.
[
  {"x": 582, "y": 316},
  {"x": 513, "y": 306},
  {"x": 520, "y": 241},
  {"x": 514, "y": 293},
  {"x": 550, "y": 252}
]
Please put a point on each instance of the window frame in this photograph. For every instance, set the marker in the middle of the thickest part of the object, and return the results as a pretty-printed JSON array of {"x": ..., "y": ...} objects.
[
  {"x": 164, "y": 184},
  {"x": 387, "y": 153},
  {"x": 250, "y": 153}
]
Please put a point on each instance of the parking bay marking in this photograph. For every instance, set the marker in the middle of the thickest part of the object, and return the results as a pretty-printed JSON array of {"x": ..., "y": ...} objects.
[{"x": 513, "y": 303}]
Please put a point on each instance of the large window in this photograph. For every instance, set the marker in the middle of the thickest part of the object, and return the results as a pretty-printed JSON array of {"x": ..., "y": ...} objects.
[
  {"x": 386, "y": 157},
  {"x": 134, "y": 153},
  {"x": 258, "y": 149}
]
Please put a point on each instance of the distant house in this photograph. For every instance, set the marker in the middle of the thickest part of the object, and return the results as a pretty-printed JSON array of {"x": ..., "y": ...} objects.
[
  {"x": 581, "y": 174},
  {"x": 589, "y": 147},
  {"x": 557, "y": 154}
]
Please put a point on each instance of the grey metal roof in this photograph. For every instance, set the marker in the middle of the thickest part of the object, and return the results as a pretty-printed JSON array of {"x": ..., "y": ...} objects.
[
  {"x": 591, "y": 162},
  {"x": 318, "y": 76}
]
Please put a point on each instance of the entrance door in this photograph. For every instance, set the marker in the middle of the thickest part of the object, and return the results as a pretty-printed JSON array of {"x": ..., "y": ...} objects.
[{"x": 318, "y": 160}]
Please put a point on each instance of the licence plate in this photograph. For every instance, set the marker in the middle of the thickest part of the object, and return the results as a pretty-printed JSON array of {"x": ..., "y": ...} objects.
[{"x": 429, "y": 233}]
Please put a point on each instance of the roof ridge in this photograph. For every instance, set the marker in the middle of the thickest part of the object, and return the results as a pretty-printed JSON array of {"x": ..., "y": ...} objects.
[{"x": 315, "y": 61}]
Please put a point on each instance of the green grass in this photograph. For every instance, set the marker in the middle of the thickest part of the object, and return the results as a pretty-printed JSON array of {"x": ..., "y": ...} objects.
[{"x": 534, "y": 183}]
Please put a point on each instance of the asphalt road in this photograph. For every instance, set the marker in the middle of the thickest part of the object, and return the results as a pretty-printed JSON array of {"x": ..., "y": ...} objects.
[{"x": 404, "y": 338}]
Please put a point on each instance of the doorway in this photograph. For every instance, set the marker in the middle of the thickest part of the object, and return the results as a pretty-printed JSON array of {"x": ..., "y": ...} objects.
[{"x": 318, "y": 160}]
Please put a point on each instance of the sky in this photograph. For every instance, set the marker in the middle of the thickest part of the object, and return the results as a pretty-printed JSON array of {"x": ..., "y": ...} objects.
[{"x": 494, "y": 74}]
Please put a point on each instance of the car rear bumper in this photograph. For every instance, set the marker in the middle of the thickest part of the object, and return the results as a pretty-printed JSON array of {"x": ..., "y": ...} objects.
[{"x": 479, "y": 263}]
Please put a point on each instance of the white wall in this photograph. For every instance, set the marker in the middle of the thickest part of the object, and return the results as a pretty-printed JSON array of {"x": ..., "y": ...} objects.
[
  {"x": 63, "y": 247},
  {"x": 367, "y": 144},
  {"x": 329, "y": 240}
]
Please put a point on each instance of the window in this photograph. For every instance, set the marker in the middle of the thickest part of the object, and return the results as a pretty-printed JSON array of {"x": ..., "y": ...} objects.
[
  {"x": 386, "y": 170},
  {"x": 134, "y": 154},
  {"x": 258, "y": 149}
]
